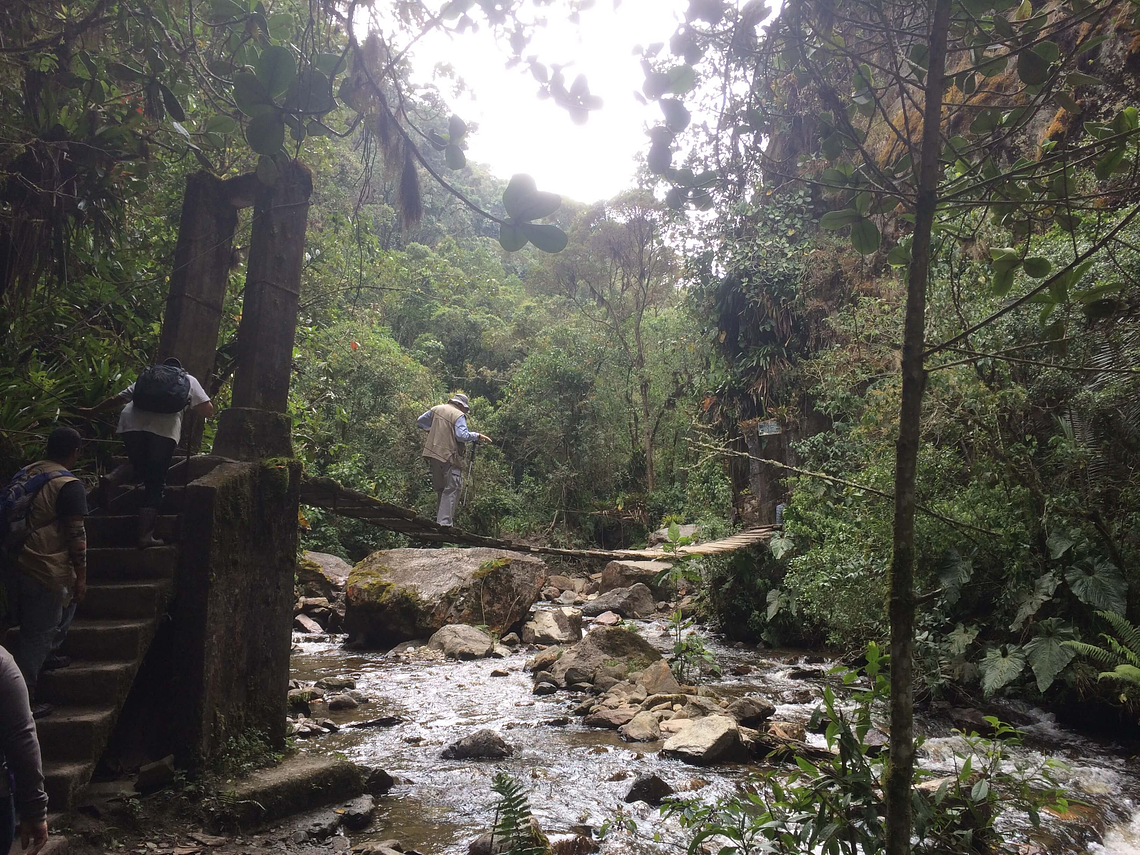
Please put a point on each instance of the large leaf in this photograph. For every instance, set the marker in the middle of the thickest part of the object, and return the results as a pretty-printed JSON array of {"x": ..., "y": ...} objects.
[
  {"x": 276, "y": 69},
  {"x": 520, "y": 188},
  {"x": 677, "y": 116},
  {"x": 838, "y": 219},
  {"x": 266, "y": 133},
  {"x": 250, "y": 93},
  {"x": 1032, "y": 601},
  {"x": 865, "y": 236},
  {"x": 1000, "y": 669},
  {"x": 1032, "y": 67},
  {"x": 311, "y": 93},
  {"x": 955, "y": 572},
  {"x": 455, "y": 157},
  {"x": 1048, "y": 655},
  {"x": 1098, "y": 584},
  {"x": 511, "y": 238},
  {"x": 172, "y": 106},
  {"x": 546, "y": 238}
]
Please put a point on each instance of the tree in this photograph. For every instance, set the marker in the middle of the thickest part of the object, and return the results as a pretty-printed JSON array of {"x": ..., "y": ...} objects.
[
  {"x": 845, "y": 98},
  {"x": 619, "y": 272}
]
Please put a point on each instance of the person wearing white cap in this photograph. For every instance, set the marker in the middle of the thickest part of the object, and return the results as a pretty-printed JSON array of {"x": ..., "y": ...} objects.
[{"x": 446, "y": 426}]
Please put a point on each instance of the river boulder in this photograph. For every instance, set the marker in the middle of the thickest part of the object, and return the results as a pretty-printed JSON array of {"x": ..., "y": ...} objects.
[
  {"x": 751, "y": 711},
  {"x": 322, "y": 575},
  {"x": 643, "y": 727},
  {"x": 605, "y": 646},
  {"x": 658, "y": 679},
  {"x": 402, "y": 594},
  {"x": 713, "y": 739},
  {"x": 482, "y": 745},
  {"x": 459, "y": 641},
  {"x": 553, "y": 626},
  {"x": 626, "y": 574},
  {"x": 662, "y": 534},
  {"x": 633, "y": 602}
]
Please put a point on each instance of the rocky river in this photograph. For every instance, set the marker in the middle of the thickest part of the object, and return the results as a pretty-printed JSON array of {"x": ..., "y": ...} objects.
[{"x": 577, "y": 777}]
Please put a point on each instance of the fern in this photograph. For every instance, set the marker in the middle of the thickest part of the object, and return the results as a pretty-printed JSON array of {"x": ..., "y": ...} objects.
[
  {"x": 1121, "y": 653},
  {"x": 514, "y": 831}
]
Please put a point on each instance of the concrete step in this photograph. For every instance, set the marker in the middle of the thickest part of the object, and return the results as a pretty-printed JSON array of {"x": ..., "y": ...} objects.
[
  {"x": 72, "y": 734},
  {"x": 108, "y": 638},
  {"x": 87, "y": 683},
  {"x": 128, "y": 502},
  {"x": 122, "y": 529},
  {"x": 144, "y": 598},
  {"x": 122, "y": 563},
  {"x": 64, "y": 782}
]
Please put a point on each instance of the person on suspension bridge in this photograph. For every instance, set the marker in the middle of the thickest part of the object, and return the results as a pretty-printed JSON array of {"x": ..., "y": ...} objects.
[
  {"x": 44, "y": 555},
  {"x": 151, "y": 426},
  {"x": 447, "y": 433}
]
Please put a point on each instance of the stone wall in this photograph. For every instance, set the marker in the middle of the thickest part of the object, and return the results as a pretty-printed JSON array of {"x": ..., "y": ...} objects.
[{"x": 219, "y": 667}]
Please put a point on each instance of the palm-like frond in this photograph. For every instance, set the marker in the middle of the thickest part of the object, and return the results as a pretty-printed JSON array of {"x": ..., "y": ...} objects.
[
  {"x": 1127, "y": 673},
  {"x": 1098, "y": 655},
  {"x": 1127, "y": 634},
  {"x": 1121, "y": 652}
]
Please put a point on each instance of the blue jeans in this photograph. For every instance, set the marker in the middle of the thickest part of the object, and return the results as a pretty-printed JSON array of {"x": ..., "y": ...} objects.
[{"x": 45, "y": 616}]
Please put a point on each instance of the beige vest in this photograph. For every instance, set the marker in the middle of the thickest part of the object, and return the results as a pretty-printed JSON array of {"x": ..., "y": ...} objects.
[
  {"x": 441, "y": 443},
  {"x": 45, "y": 556}
]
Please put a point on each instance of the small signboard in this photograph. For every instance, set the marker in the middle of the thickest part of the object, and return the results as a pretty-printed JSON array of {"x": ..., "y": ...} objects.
[{"x": 768, "y": 428}]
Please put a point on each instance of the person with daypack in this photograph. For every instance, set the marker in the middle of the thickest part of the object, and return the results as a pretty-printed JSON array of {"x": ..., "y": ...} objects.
[
  {"x": 45, "y": 551},
  {"x": 151, "y": 427},
  {"x": 446, "y": 426},
  {"x": 21, "y": 764}
]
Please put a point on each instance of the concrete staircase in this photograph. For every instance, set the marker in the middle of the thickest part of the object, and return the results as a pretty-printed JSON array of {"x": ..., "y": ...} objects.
[{"x": 128, "y": 590}]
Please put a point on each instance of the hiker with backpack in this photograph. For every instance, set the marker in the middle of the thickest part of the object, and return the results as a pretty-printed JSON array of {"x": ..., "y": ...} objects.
[
  {"x": 45, "y": 553},
  {"x": 151, "y": 426},
  {"x": 446, "y": 427}
]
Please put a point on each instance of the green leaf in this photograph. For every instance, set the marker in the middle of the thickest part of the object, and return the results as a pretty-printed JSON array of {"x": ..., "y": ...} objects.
[
  {"x": 1058, "y": 544},
  {"x": 456, "y": 129},
  {"x": 781, "y": 545},
  {"x": 980, "y": 790},
  {"x": 1000, "y": 669},
  {"x": 865, "y": 236},
  {"x": 1002, "y": 282},
  {"x": 331, "y": 64},
  {"x": 276, "y": 69},
  {"x": 547, "y": 238},
  {"x": 899, "y": 256},
  {"x": 171, "y": 103},
  {"x": 281, "y": 26},
  {"x": 311, "y": 93},
  {"x": 455, "y": 157},
  {"x": 1077, "y": 78},
  {"x": 221, "y": 125},
  {"x": 265, "y": 133},
  {"x": 511, "y": 238},
  {"x": 1037, "y": 266},
  {"x": 674, "y": 532},
  {"x": 520, "y": 188},
  {"x": 250, "y": 94},
  {"x": 838, "y": 219},
  {"x": 956, "y": 572},
  {"x": 677, "y": 116},
  {"x": 1032, "y": 601},
  {"x": 267, "y": 171},
  {"x": 681, "y": 79},
  {"x": 1032, "y": 68},
  {"x": 1098, "y": 584},
  {"x": 1047, "y": 653}
]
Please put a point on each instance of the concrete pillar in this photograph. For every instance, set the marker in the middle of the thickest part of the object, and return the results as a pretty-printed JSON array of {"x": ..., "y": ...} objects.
[{"x": 256, "y": 425}]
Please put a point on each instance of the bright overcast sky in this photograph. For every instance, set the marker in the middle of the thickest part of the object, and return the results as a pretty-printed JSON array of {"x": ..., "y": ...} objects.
[{"x": 519, "y": 133}]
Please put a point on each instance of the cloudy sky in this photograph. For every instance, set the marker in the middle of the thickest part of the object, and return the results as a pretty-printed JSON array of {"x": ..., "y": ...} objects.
[{"x": 519, "y": 133}]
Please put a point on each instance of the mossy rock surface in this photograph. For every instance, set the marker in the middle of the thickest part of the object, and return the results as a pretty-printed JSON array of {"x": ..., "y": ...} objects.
[
  {"x": 606, "y": 647},
  {"x": 402, "y": 594}
]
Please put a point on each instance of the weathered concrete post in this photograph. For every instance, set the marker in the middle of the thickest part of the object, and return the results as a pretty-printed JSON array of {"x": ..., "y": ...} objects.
[
  {"x": 202, "y": 259},
  {"x": 256, "y": 425}
]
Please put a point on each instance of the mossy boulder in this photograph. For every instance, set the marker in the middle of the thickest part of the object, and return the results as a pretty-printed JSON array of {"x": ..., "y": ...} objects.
[
  {"x": 322, "y": 575},
  {"x": 603, "y": 648},
  {"x": 402, "y": 594}
]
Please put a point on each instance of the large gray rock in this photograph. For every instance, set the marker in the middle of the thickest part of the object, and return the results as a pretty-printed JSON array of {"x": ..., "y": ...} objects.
[
  {"x": 606, "y": 646},
  {"x": 402, "y": 594},
  {"x": 751, "y": 711},
  {"x": 553, "y": 626},
  {"x": 633, "y": 602},
  {"x": 481, "y": 745},
  {"x": 662, "y": 534},
  {"x": 459, "y": 641},
  {"x": 714, "y": 739},
  {"x": 322, "y": 575},
  {"x": 626, "y": 574}
]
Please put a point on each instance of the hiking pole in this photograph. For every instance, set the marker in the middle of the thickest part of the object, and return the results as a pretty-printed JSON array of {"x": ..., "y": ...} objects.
[{"x": 470, "y": 474}]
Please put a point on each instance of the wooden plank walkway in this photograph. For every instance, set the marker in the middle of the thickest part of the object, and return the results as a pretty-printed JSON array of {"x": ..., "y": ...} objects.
[{"x": 330, "y": 495}]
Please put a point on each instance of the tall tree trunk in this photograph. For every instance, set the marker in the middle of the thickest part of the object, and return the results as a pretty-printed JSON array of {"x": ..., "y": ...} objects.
[
  {"x": 647, "y": 436},
  {"x": 900, "y": 769}
]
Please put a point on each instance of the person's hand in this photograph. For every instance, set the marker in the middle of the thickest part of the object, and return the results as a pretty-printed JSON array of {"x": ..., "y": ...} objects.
[
  {"x": 484, "y": 438},
  {"x": 34, "y": 834}
]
